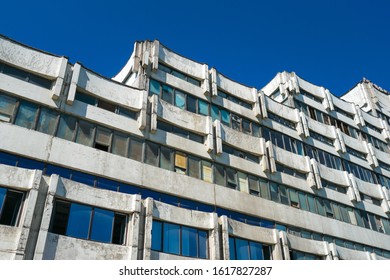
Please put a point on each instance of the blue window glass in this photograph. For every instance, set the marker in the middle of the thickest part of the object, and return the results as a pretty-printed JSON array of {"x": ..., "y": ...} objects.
[
  {"x": 83, "y": 178},
  {"x": 157, "y": 236},
  {"x": 267, "y": 224},
  {"x": 66, "y": 127},
  {"x": 8, "y": 159},
  {"x": 85, "y": 98},
  {"x": 106, "y": 184},
  {"x": 256, "y": 250},
  {"x": 242, "y": 249},
  {"x": 232, "y": 249},
  {"x": 102, "y": 225},
  {"x": 189, "y": 242},
  {"x": 129, "y": 189},
  {"x": 2, "y": 196},
  {"x": 180, "y": 99},
  {"x": 7, "y": 107},
  {"x": 225, "y": 117},
  {"x": 154, "y": 87},
  {"x": 214, "y": 113},
  {"x": 167, "y": 94},
  {"x": 171, "y": 238},
  {"x": 26, "y": 115},
  {"x": 63, "y": 172},
  {"x": 203, "y": 107},
  {"x": 47, "y": 122},
  {"x": 188, "y": 204},
  {"x": 79, "y": 221},
  {"x": 203, "y": 252},
  {"x": 30, "y": 164}
]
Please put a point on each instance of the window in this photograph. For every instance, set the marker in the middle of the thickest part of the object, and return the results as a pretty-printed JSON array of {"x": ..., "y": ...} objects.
[
  {"x": 47, "y": 122},
  {"x": 103, "y": 139},
  {"x": 10, "y": 205},
  {"x": 194, "y": 167},
  {"x": 242, "y": 249},
  {"x": 296, "y": 255},
  {"x": 180, "y": 131},
  {"x": 207, "y": 171},
  {"x": 151, "y": 154},
  {"x": 281, "y": 120},
  {"x": 294, "y": 200},
  {"x": 178, "y": 74},
  {"x": 219, "y": 175},
  {"x": 67, "y": 128},
  {"x": 7, "y": 108},
  {"x": 180, "y": 163},
  {"x": 136, "y": 150},
  {"x": 283, "y": 141},
  {"x": 26, "y": 115},
  {"x": 85, "y": 133},
  {"x": 119, "y": 144},
  {"x": 239, "y": 153},
  {"x": 166, "y": 158},
  {"x": 179, "y": 240},
  {"x": 87, "y": 222},
  {"x": 25, "y": 76}
]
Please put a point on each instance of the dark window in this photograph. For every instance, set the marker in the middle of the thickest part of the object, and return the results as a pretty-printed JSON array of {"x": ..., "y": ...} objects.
[
  {"x": 85, "y": 98},
  {"x": 26, "y": 116},
  {"x": 106, "y": 106},
  {"x": 10, "y": 204},
  {"x": 179, "y": 240},
  {"x": 7, "y": 108},
  {"x": 47, "y": 122},
  {"x": 151, "y": 154},
  {"x": 242, "y": 249},
  {"x": 87, "y": 222}
]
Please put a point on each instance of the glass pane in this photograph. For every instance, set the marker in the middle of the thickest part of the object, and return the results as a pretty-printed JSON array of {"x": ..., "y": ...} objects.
[
  {"x": 166, "y": 161},
  {"x": 344, "y": 213},
  {"x": 106, "y": 106},
  {"x": 102, "y": 225},
  {"x": 127, "y": 113},
  {"x": 47, "y": 122},
  {"x": 154, "y": 87},
  {"x": 283, "y": 195},
  {"x": 312, "y": 205},
  {"x": 243, "y": 181},
  {"x": 189, "y": 242},
  {"x": 157, "y": 236},
  {"x": 10, "y": 208},
  {"x": 60, "y": 218},
  {"x": 232, "y": 248},
  {"x": 193, "y": 81},
  {"x": 203, "y": 252},
  {"x": 207, "y": 171},
  {"x": 118, "y": 233},
  {"x": 352, "y": 217},
  {"x": 167, "y": 94},
  {"x": 274, "y": 192},
  {"x": 225, "y": 117},
  {"x": 136, "y": 148},
  {"x": 151, "y": 153},
  {"x": 293, "y": 196},
  {"x": 219, "y": 175},
  {"x": 119, "y": 145},
  {"x": 85, "y": 133},
  {"x": 7, "y": 106},
  {"x": 264, "y": 192},
  {"x": 79, "y": 220},
  {"x": 242, "y": 249},
  {"x": 178, "y": 75},
  {"x": 180, "y": 99},
  {"x": 194, "y": 167},
  {"x": 253, "y": 185},
  {"x": 26, "y": 115},
  {"x": 256, "y": 250},
  {"x": 203, "y": 107},
  {"x": 67, "y": 127},
  {"x": 302, "y": 201},
  {"x": 214, "y": 113},
  {"x": 2, "y": 196},
  {"x": 320, "y": 206},
  {"x": 103, "y": 136},
  {"x": 171, "y": 238},
  {"x": 255, "y": 130},
  {"x": 191, "y": 103},
  {"x": 336, "y": 210},
  {"x": 231, "y": 178},
  {"x": 85, "y": 98}
]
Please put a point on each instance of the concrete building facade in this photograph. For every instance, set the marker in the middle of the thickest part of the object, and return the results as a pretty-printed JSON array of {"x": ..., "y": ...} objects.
[{"x": 170, "y": 159}]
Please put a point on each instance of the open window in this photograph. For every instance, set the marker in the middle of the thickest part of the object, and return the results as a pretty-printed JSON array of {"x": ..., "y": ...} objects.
[{"x": 10, "y": 205}]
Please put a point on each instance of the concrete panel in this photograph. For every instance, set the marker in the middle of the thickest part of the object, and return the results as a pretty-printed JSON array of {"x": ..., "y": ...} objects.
[
  {"x": 349, "y": 254},
  {"x": 234, "y": 88},
  {"x": 255, "y": 233},
  {"x": 16, "y": 177},
  {"x": 10, "y": 237},
  {"x": 291, "y": 160},
  {"x": 61, "y": 247},
  {"x": 306, "y": 245},
  {"x": 28, "y": 58},
  {"x": 242, "y": 141},
  {"x": 282, "y": 110}
]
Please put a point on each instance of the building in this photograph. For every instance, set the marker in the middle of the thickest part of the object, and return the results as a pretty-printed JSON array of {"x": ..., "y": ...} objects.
[{"x": 170, "y": 159}]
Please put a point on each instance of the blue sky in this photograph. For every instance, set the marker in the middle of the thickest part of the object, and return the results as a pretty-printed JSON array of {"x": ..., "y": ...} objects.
[{"x": 330, "y": 43}]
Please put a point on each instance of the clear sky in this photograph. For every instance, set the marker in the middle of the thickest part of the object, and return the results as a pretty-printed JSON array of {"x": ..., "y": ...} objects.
[{"x": 331, "y": 43}]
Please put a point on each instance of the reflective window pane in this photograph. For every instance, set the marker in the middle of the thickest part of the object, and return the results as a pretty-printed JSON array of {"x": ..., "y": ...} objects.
[
  {"x": 151, "y": 153},
  {"x": 256, "y": 251},
  {"x": 102, "y": 225},
  {"x": 166, "y": 158},
  {"x": 171, "y": 238},
  {"x": 167, "y": 94},
  {"x": 242, "y": 249},
  {"x": 232, "y": 248},
  {"x": 194, "y": 167},
  {"x": 7, "y": 107},
  {"x": 180, "y": 99},
  {"x": 157, "y": 236},
  {"x": 203, "y": 251},
  {"x": 26, "y": 115},
  {"x": 79, "y": 221},
  {"x": 154, "y": 87},
  {"x": 119, "y": 144},
  {"x": 219, "y": 175},
  {"x": 2, "y": 196},
  {"x": 47, "y": 122},
  {"x": 225, "y": 117},
  {"x": 203, "y": 107},
  {"x": 191, "y": 103},
  {"x": 189, "y": 242},
  {"x": 214, "y": 113},
  {"x": 85, "y": 133},
  {"x": 85, "y": 98},
  {"x": 66, "y": 127},
  {"x": 136, "y": 148}
]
